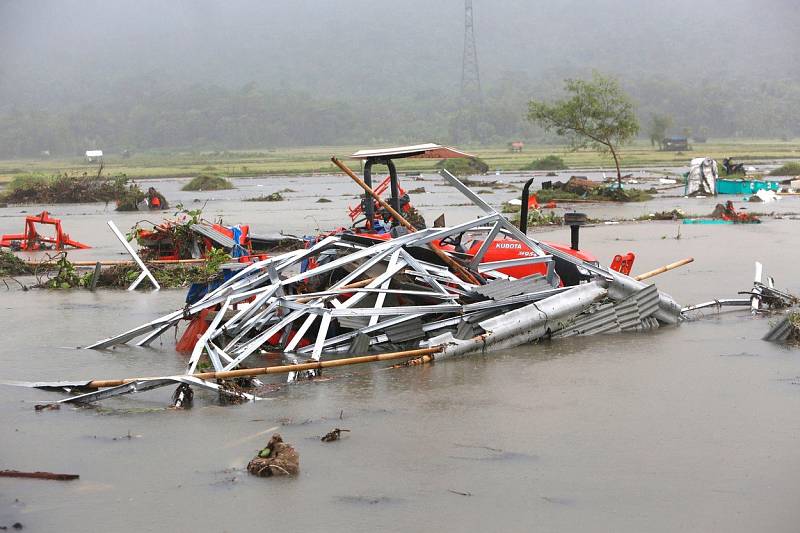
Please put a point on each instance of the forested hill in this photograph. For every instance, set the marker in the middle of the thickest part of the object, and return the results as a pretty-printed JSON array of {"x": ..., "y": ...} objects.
[{"x": 244, "y": 74}]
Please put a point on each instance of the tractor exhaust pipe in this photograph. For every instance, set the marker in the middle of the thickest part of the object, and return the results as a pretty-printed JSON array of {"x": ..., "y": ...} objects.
[
  {"x": 523, "y": 213},
  {"x": 575, "y": 221}
]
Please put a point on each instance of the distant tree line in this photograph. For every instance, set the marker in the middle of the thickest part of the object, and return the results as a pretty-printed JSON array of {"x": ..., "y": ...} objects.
[{"x": 150, "y": 117}]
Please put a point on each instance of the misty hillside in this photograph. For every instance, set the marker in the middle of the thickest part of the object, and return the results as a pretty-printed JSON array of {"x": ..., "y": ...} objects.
[{"x": 201, "y": 74}]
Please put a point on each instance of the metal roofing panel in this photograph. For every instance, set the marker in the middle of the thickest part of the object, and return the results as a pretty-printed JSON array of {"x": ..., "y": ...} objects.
[
  {"x": 219, "y": 238},
  {"x": 504, "y": 288},
  {"x": 408, "y": 330},
  {"x": 427, "y": 150},
  {"x": 779, "y": 332}
]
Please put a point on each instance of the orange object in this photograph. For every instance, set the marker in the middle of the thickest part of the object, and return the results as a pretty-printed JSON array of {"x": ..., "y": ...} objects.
[
  {"x": 358, "y": 210},
  {"x": 31, "y": 240},
  {"x": 533, "y": 203},
  {"x": 623, "y": 263},
  {"x": 196, "y": 328}
]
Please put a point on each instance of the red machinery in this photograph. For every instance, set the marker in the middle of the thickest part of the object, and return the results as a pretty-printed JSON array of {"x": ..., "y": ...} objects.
[{"x": 31, "y": 240}]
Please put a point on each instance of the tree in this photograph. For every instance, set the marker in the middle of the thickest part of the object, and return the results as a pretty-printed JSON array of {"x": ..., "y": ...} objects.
[
  {"x": 597, "y": 114},
  {"x": 659, "y": 124}
]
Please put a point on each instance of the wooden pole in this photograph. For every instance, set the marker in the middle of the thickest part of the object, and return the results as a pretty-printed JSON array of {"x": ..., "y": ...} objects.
[
  {"x": 355, "y": 285},
  {"x": 39, "y": 475},
  {"x": 282, "y": 369},
  {"x": 95, "y": 276},
  {"x": 663, "y": 269},
  {"x": 462, "y": 272}
]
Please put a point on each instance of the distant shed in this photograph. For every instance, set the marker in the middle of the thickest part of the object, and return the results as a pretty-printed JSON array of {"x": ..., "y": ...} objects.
[
  {"x": 676, "y": 144},
  {"x": 94, "y": 156}
]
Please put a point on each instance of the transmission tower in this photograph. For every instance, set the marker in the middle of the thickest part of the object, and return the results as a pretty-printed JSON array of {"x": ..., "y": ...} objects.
[{"x": 470, "y": 77}]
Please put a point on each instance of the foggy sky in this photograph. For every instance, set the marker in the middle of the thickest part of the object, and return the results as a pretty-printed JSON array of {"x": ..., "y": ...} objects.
[{"x": 54, "y": 52}]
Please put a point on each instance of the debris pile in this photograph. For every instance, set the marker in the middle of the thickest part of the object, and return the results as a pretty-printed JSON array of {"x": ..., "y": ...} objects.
[
  {"x": 352, "y": 298},
  {"x": 66, "y": 189},
  {"x": 729, "y": 213},
  {"x": 276, "y": 459},
  {"x": 188, "y": 236},
  {"x": 11, "y": 265}
]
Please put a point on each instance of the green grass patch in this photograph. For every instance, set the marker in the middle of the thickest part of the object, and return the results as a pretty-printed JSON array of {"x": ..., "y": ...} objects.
[
  {"x": 207, "y": 182},
  {"x": 548, "y": 162},
  {"x": 789, "y": 169}
]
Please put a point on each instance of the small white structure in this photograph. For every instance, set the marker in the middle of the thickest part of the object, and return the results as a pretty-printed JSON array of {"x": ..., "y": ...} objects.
[{"x": 94, "y": 156}]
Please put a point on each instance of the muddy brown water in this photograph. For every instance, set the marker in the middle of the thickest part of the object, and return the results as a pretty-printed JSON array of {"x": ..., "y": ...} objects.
[{"x": 690, "y": 428}]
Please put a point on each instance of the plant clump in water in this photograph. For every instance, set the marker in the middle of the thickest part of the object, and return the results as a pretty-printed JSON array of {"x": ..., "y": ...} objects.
[
  {"x": 550, "y": 162},
  {"x": 274, "y": 197},
  {"x": 11, "y": 265},
  {"x": 208, "y": 182},
  {"x": 66, "y": 189}
]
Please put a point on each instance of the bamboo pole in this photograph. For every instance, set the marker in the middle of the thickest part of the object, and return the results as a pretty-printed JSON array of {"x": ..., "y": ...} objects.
[
  {"x": 282, "y": 369},
  {"x": 462, "y": 272},
  {"x": 663, "y": 269},
  {"x": 116, "y": 262}
]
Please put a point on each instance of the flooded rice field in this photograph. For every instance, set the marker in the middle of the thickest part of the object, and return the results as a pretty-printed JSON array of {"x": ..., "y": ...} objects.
[{"x": 689, "y": 428}]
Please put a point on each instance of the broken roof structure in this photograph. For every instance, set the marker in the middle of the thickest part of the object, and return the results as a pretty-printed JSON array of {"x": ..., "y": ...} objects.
[
  {"x": 423, "y": 151},
  {"x": 351, "y": 299}
]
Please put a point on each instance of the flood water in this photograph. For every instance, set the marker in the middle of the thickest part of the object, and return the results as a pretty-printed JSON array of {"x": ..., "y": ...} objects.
[{"x": 689, "y": 428}]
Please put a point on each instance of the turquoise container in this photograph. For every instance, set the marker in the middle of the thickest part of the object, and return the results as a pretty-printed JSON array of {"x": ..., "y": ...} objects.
[{"x": 746, "y": 186}]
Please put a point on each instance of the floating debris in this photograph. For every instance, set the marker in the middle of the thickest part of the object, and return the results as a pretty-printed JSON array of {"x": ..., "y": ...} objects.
[
  {"x": 334, "y": 434},
  {"x": 39, "y": 475},
  {"x": 276, "y": 459}
]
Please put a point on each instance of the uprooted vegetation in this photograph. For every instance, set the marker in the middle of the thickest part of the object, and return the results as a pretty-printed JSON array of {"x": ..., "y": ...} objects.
[
  {"x": 274, "y": 197},
  {"x": 208, "y": 182},
  {"x": 794, "y": 322},
  {"x": 11, "y": 265},
  {"x": 67, "y": 189},
  {"x": 675, "y": 214},
  {"x": 537, "y": 217},
  {"x": 549, "y": 162},
  {"x": 582, "y": 189},
  {"x": 64, "y": 275}
]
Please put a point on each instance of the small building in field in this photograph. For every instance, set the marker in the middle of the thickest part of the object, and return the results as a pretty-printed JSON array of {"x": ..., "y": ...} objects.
[
  {"x": 517, "y": 146},
  {"x": 676, "y": 144},
  {"x": 94, "y": 156}
]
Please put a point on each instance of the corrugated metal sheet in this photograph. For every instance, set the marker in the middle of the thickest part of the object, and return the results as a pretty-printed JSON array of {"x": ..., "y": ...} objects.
[
  {"x": 360, "y": 345},
  {"x": 780, "y": 331},
  {"x": 505, "y": 288},
  {"x": 631, "y": 314},
  {"x": 406, "y": 331},
  {"x": 214, "y": 235},
  {"x": 465, "y": 330},
  {"x": 353, "y": 322}
]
